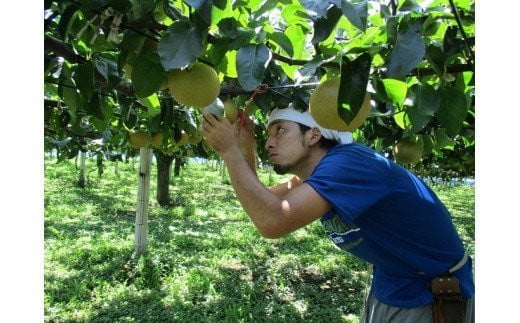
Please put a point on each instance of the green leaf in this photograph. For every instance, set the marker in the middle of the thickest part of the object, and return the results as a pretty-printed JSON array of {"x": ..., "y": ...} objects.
[
  {"x": 73, "y": 99},
  {"x": 356, "y": 13},
  {"x": 147, "y": 75},
  {"x": 228, "y": 64},
  {"x": 453, "y": 109},
  {"x": 202, "y": 15},
  {"x": 437, "y": 59},
  {"x": 409, "y": 5},
  {"x": 417, "y": 120},
  {"x": 353, "y": 86},
  {"x": 180, "y": 46},
  {"x": 251, "y": 62},
  {"x": 430, "y": 26},
  {"x": 152, "y": 103},
  {"x": 221, "y": 4},
  {"x": 94, "y": 107},
  {"x": 391, "y": 30},
  {"x": 428, "y": 143},
  {"x": 409, "y": 51},
  {"x": 442, "y": 139},
  {"x": 294, "y": 14},
  {"x": 84, "y": 79},
  {"x": 428, "y": 100},
  {"x": 196, "y": 4},
  {"x": 395, "y": 90},
  {"x": 402, "y": 120},
  {"x": 108, "y": 69},
  {"x": 229, "y": 27},
  {"x": 324, "y": 26},
  {"x": 140, "y": 9},
  {"x": 132, "y": 42},
  {"x": 283, "y": 41},
  {"x": 452, "y": 44},
  {"x": 425, "y": 99},
  {"x": 243, "y": 39},
  {"x": 65, "y": 20},
  {"x": 316, "y": 7},
  {"x": 297, "y": 35}
]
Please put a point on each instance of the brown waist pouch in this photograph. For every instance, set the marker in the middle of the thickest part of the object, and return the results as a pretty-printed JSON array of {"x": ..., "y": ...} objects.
[{"x": 448, "y": 304}]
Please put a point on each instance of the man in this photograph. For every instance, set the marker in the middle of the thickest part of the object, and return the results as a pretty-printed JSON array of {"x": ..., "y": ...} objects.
[{"x": 368, "y": 205}]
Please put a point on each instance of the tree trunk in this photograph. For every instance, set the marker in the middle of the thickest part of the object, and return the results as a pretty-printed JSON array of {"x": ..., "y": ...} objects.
[
  {"x": 177, "y": 166},
  {"x": 223, "y": 173},
  {"x": 82, "y": 169},
  {"x": 164, "y": 166},
  {"x": 116, "y": 170},
  {"x": 143, "y": 196}
]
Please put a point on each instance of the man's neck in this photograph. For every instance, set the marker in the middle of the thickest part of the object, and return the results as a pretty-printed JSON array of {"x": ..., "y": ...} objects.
[{"x": 308, "y": 167}]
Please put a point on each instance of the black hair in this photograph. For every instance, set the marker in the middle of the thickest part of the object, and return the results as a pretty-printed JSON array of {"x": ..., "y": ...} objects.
[{"x": 324, "y": 142}]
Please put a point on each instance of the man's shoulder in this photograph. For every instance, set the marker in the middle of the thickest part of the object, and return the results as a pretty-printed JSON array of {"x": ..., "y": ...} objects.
[{"x": 352, "y": 148}]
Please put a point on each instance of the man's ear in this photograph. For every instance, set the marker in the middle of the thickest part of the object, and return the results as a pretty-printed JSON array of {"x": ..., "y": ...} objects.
[{"x": 315, "y": 136}]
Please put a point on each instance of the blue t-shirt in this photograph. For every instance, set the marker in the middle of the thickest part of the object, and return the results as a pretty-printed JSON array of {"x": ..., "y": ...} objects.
[{"x": 386, "y": 215}]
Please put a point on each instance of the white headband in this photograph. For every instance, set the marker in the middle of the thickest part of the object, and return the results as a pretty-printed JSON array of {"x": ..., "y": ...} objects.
[{"x": 305, "y": 118}]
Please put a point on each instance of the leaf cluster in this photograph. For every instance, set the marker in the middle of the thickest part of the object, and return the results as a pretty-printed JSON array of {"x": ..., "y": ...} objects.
[{"x": 106, "y": 63}]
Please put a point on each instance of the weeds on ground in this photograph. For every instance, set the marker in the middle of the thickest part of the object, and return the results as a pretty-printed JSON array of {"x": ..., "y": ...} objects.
[{"x": 206, "y": 262}]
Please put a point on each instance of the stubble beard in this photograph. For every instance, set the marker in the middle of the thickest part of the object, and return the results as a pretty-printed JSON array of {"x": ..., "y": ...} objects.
[
  {"x": 281, "y": 169},
  {"x": 284, "y": 169}
]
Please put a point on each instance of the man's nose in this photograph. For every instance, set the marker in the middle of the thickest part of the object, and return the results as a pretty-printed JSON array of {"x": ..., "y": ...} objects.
[{"x": 269, "y": 143}]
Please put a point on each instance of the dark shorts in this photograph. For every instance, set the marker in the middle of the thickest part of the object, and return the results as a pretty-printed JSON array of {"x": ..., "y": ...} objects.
[{"x": 377, "y": 312}]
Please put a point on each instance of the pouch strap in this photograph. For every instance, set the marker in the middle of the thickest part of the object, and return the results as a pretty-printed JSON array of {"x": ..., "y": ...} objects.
[{"x": 459, "y": 265}]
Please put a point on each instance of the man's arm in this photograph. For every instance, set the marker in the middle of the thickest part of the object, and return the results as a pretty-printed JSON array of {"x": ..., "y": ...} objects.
[
  {"x": 273, "y": 215},
  {"x": 246, "y": 136},
  {"x": 283, "y": 188}
]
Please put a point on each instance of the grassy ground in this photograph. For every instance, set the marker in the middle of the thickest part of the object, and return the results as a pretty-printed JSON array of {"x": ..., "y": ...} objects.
[{"x": 206, "y": 262}]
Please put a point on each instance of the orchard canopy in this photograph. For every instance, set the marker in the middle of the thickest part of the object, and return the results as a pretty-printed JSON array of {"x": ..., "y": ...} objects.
[{"x": 107, "y": 65}]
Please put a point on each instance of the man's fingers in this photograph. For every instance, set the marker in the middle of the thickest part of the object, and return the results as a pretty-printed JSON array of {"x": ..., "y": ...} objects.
[{"x": 208, "y": 118}]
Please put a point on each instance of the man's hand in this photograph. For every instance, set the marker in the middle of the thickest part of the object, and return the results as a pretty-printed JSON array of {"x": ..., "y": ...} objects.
[
  {"x": 246, "y": 131},
  {"x": 221, "y": 135}
]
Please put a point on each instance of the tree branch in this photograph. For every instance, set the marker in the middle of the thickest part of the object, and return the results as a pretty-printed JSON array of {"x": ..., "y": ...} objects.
[
  {"x": 423, "y": 71},
  {"x": 61, "y": 49},
  {"x": 462, "y": 32}
]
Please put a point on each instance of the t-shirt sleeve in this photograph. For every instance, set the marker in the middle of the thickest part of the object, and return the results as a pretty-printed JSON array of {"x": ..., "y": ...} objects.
[{"x": 352, "y": 185}]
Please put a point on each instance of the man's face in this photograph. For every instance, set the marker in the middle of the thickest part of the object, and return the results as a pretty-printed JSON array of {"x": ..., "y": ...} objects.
[{"x": 286, "y": 146}]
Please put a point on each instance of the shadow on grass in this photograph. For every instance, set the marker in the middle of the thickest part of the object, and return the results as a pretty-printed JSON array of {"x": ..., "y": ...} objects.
[{"x": 244, "y": 295}]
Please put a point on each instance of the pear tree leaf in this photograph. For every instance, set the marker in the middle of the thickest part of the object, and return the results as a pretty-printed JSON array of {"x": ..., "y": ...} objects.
[
  {"x": 425, "y": 98},
  {"x": 283, "y": 41},
  {"x": 317, "y": 8},
  {"x": 180, "y": 46},
  {"x": 453, "y": 109},
  {"x": 108, "y": 69},
  {"x": 428, "y": 100},
  {"x": 417, "y": 119},
  {"x": 409, "y": 5},
  {"x": 196, "y": 4},
  {"x": 356, "y": 13},
  {"x": 402, "y": 120},
  {"x": 66, "y": 18},
  {"x": 147, "y": 75},
  {"x": 152, "y": 103},
  {"x": 84, "y": 79},
  {"x": 251, "y": 62},
  {"x": 353, "y": 86},
  {"x": 443, "y": 140},
  {"x": 409, "y": 51},
  {"x": 94, "y": 106},
  {"x": 395, "y": 90},
  {"x": 229, "y": 27},
  {"x": 323, "y": 26}
]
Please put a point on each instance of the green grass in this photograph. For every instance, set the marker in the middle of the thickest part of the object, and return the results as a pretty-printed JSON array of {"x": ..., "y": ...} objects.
[{"x": 206, "y": 261}]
